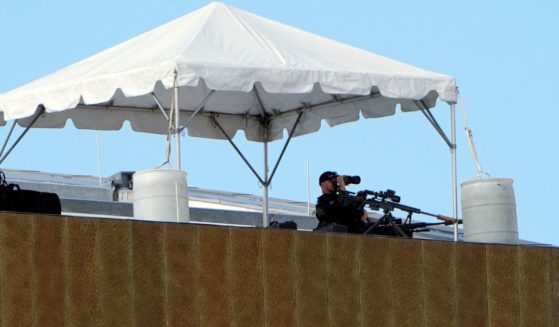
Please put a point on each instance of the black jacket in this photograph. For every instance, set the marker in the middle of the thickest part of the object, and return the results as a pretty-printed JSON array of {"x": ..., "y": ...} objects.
[{"x": 338, "y": 208}]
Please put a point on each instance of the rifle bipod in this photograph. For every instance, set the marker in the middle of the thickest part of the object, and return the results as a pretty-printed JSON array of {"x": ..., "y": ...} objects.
[
  {"x": 390, "y": 226},
  {"x": 384, "y": 224}
]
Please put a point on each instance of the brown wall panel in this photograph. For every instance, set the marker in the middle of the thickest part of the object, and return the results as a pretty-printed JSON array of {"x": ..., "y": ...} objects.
[
  {"x": 246, "y": 277},
  {"x": 439, "y": 282},
  {"x": 554, "y": 274},
  {"x": 16, "y": 271},
  {"x": 88, "y": 272},
  {"x": 311, "y": 279},
  {"x": 82, "y": 262},
  {"x": 181, "y": 265},
  {"x": 471, "y": 284},
  {"x": 534, "y": 291},
  {"x": 214, "y": 276},
  {"x": 49, "y": 255},
  {"x": 344, "y": 303},
  {"x": 115, "y": 273},
  {"x": 407, "y": 282},
  {"x": 149, "y": 274},
  {"x": 375, "y": 275},
  {"x": 502, "y": 285},
  {"x": 278, "y": 255}
]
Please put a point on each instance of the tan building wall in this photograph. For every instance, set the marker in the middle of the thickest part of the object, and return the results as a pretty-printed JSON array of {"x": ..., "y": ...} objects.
[{"x": 57, "y": 271}]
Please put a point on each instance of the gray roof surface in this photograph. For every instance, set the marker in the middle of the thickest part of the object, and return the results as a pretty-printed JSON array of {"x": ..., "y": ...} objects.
[{"x": 98, "y": 197}]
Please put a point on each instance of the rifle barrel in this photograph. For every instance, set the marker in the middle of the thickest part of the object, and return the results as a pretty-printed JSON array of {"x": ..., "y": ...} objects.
[{"x": 418, "y": 225}]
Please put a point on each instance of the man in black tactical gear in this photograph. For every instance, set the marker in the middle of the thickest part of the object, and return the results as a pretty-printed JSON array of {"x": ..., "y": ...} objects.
[{"x": 334, "y": 206}]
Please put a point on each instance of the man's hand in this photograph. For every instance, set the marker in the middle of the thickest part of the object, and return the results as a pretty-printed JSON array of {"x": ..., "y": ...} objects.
[
  {"x": 364, "y": 216},
  {"x": 341, "y": 183}
]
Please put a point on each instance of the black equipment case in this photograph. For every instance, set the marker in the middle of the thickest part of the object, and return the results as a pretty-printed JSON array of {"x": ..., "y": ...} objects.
[{"x": 12, "y": 198}]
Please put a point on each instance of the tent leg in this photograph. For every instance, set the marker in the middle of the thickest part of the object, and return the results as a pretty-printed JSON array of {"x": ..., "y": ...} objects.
[
  {"x": 452, "y": 145},
  {"x": 267, "y": 180},
  {"x": 266, "y": 184},
  {"x": 177, "y": 122},
  {"x": 263, "y": 182},
  {"x": 454, "y": 170}
]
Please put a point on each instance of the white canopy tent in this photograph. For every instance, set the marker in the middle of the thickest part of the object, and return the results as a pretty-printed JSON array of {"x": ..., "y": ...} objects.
[{"x": 227, "y": 70}]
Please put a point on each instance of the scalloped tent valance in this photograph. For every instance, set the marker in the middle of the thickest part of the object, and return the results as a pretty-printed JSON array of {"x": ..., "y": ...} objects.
[{"x": 257, "y": 67}]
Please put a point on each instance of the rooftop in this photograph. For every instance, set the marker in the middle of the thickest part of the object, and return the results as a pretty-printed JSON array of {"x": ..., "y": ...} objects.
[{"x": 111, "y": 197}]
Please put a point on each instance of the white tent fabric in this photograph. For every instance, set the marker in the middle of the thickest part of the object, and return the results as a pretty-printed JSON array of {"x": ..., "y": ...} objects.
[{"x": 264, "y": 73}]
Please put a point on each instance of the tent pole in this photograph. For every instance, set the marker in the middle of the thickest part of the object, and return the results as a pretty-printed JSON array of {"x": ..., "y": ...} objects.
[
  {"x": 436, "y": 125},
  {"x": 197, "y": 111},
  {"x": 265, "y": 217},
  {"x": 266, "y": 181},
  {"x": 177, "y": 117},
  {"x": 237, "y": 150},
  {"x": 269, "y": 180},
  {"x": 266, "y": 184},
  {"x": 286, "y": 144},
  {"x": 265, "y": 120},
  {"x": 8, "y": 137},
  {"x": 39, "y": 113},
  {"x": 452, "y": 145},
  {"x": 159, "y": 106},
  {"x": 454, "y": 173}
]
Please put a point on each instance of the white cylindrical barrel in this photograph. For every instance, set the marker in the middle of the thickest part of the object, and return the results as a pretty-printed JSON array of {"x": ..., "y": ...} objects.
[
  {"x": 161, "y": 195},
  {"x": 489, "y": 211}
]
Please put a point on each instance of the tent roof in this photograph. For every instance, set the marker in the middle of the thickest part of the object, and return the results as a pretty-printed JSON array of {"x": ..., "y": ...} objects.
[{"x": 258, "y": 68}]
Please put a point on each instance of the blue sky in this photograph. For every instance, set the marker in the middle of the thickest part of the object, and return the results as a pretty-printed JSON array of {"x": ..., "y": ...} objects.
[{"x": 502, "y": 54}]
